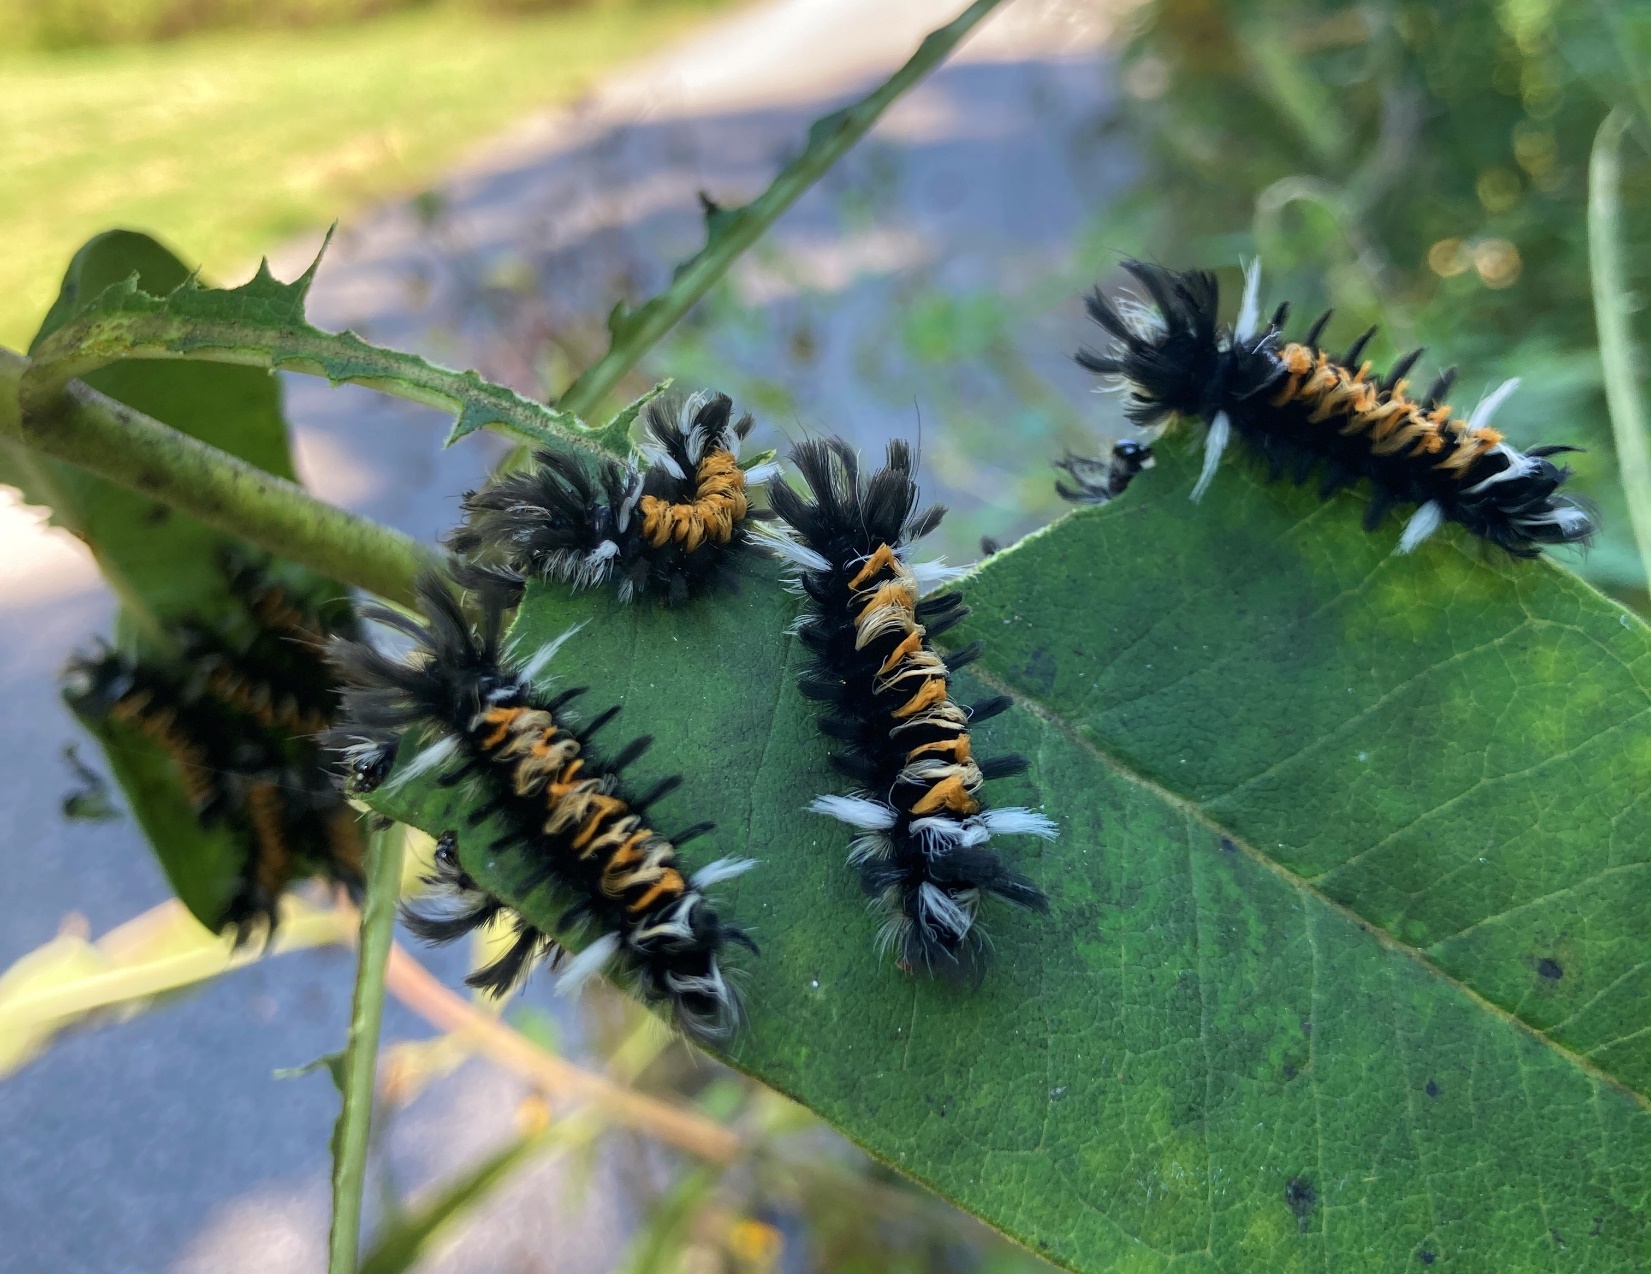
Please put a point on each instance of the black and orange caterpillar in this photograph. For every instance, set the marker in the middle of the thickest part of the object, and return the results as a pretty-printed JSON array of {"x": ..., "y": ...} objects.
[
  {"x": 675, "y": 520},
  {"x": 273, "y": 792},
  {"x": 562, "y": 805},
  {"x": 269, "y": 661},
  {"x": 1303, "y": 411},
  {"x": 922, "y": 851}
]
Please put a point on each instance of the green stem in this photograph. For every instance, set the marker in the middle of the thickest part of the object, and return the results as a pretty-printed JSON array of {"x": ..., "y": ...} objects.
[
  {"x": 403, "y": 1246},
  {"x": 1607, "y": 264},
  {"x": 731, "y": 232},
  {"x": 140, "y": 453},
  {"x": 378, "y": 918}
]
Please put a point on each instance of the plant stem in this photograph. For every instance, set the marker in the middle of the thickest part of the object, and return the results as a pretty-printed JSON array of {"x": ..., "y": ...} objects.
[
  {"x": 413, "y": 984},
  {"x": 378, "y": 918},
  {"x": 1608, "y": 268},
  {"x": 140, "y": 453},
  {"x": 731, "y": 232}
]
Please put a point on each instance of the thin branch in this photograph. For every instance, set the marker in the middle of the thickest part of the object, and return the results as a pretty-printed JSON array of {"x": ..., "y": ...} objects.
[
  {"x": 415, "y": 987},
  {"x": 378, "y": 919},
  {"x": 1609, "y": 268},
  {"x": 142, "y": 454},
  {"x": 731, "y": 231}
]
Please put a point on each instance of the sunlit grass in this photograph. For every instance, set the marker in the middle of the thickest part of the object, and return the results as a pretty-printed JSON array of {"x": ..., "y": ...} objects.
[{"x": 223, "y": 145}]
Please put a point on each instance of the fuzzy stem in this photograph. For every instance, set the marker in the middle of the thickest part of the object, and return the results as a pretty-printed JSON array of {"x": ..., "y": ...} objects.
[
  {"x": 137, "y": 452},
  {"x": 378, "y": 919},
  {"x": 731, "y": 232},
  {"x": 1616, "y": 339}
]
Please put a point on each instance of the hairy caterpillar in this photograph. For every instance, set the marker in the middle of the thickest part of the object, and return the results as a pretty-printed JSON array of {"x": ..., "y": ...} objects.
[
  {"x": 270, "y": 664},
  {"x": 563, "y": 806},
  {"x": 1301, "y": 411},
  {"x": 922, "y": 850},
  {"x": 676, "y": 523},
  {"x": 275, "y": 794}
]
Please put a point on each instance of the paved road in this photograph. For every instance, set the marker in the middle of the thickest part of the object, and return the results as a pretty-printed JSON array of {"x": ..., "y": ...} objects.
[{"x": 927, "y": 284}]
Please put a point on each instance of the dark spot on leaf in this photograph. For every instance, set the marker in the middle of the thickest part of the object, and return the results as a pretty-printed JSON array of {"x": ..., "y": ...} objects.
[
  {"x": 1598, "y": 1222},
  {"x": 1425, "y": 1256},
  {"x": 156, "y": 515},
  {"x": 1301, "y": 1197},
  {"x": 1228, "y": 846},
  {"x": 1550, "y": 968},
  {"x": 1432, "y": 1089},
  {"x": 1040, "y": 670},
  {"x": 1290, "y": 1071}
]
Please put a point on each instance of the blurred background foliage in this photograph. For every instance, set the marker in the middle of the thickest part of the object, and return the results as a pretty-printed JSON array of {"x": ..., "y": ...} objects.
[
  {"x": 80, "y": 24},
  {"x": 1419, "y": 165},
  {"x": 290, "y": 126}
]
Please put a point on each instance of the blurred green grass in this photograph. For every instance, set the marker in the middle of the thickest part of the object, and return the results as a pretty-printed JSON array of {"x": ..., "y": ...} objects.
[{"x": 226, "y": 144}]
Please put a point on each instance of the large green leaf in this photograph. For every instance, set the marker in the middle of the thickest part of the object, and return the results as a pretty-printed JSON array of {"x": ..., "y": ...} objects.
[{"x": 1343, "y": 835}]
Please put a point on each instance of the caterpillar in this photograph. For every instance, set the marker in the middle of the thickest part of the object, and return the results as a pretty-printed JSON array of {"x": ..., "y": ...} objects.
[
  {"x": 675, "y": 520},
  {"x": 280, "y": 803},
  {"x": 564, "y": 806},
  {"x": 1303, "y": 411},
  {"x": 921, "y": 849},
  {"x": 268, "y": 662}
]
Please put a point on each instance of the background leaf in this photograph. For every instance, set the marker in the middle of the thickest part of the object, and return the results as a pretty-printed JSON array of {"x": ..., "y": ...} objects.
[
  {"x": 1264, "y": 738},
  {"x": 163, "y": 565}
]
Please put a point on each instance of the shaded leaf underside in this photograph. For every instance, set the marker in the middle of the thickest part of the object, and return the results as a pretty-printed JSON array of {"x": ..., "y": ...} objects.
[
  {"x": 1325, "y": 813},
  {"x": 163, "y": 565}
]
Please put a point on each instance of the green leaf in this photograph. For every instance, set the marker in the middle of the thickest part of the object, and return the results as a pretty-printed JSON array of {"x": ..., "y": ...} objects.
[
  {"x": 657, "y": 1248},
  {"x": 262, "y": 324},
  {"x": 162, "y": 565},
  {"x": 401, "y": 1246},
  {"x": 332, "y": 1063},
  {"x": 625, "y": 417},
  {"x": 1345, "y": 960}
]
